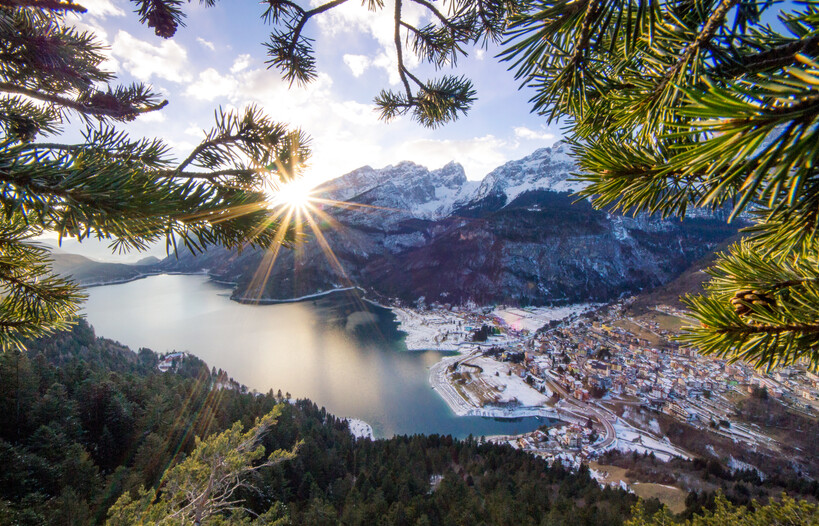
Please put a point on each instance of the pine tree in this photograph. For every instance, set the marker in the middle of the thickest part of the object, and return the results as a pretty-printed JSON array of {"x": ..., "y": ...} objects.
[
  {"x": 674, "y": 104},
  {"x": 204, "y": 488},
  {"x": 108, "y": 185},
  {"x": 785, "y": 512}
]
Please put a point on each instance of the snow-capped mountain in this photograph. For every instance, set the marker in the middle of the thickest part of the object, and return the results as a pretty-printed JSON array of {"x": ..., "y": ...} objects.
[
  {"x": 403, "y": 191},
  {"x": 516, "y": 237},
  {"x": 407, "y": 190},
  {"x": 545, "y": 169}
]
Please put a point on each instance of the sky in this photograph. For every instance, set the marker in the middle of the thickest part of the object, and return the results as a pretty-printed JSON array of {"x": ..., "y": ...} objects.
[{"x": 217, "y": 60}]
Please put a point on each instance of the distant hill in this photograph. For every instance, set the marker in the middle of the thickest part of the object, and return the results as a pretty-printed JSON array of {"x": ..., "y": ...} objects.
[{"x": 87, "y": 272}]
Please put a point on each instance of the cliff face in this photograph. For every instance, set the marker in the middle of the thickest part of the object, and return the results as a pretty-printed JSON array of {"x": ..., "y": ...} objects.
[{"x": 517, "y": 237}]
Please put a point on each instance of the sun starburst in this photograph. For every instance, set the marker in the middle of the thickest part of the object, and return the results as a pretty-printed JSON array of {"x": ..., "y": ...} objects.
[{"x": 295, "y": 194}]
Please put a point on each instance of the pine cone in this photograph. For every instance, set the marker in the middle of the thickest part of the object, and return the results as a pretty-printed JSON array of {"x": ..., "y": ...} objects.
[
  {"x": 22, "y": 128},
  {"x": 160, "y": 18},
  {"x": 744, "y": 298},
  {"x": 106, "y": 101}
]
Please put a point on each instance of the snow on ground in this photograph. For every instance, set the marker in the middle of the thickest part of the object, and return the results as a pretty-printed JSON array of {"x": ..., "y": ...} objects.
[
  {"x": 464, "y": 401},
  {"x": 511, "y": 388},
  {"x": 360, "y": 428},
  {"x": 438, "y": 330},
  {"x": 630, "y": 439},
  {"x": 738, "y": 465},
  {"x": 533, "y": 318},
  {"x": 601, "y": 476},
  {"x": 655, "y": 426},
  {"x": 443, "y": 330}
]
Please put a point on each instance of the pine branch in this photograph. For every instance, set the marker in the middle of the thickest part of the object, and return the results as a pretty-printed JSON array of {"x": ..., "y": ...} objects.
[
  {"x": 770, "y": 59},
  {"x": 89, "y": 108},
  {"x": 226, "y": 139},
  {"x": 431, "y": 8},
  {"x": 584, "y": 35},
  {"x": 55, "y": 5},
  {"x": 306, "y": 15},
  {"x": 206, "y": 176},
  {"x": 399, "y": 50},
  {"x": 289, "y": 51},
  {"x": 703, "y": 40},
  {"x": 773, "y": 329}
]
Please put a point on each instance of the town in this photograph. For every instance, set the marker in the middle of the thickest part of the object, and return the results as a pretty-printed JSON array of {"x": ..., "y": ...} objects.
[{"x": 593, "y": 368}]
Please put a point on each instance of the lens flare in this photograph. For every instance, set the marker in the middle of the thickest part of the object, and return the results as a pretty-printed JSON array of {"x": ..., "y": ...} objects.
[{"x": 295, "y": 194}]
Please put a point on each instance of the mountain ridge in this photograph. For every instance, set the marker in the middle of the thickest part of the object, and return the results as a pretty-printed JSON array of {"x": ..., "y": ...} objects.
[{"x": 518, "y": 236}]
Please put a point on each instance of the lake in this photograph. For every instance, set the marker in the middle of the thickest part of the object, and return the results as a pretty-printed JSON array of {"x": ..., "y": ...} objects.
[{"x": 341, "y": 352}]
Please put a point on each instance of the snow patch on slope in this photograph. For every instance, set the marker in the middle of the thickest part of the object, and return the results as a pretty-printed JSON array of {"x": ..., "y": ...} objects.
[{"x": 545, "y": 169}]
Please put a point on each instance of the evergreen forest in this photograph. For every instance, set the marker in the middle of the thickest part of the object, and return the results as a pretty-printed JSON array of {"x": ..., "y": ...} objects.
[{"x": 84, "y": 420}]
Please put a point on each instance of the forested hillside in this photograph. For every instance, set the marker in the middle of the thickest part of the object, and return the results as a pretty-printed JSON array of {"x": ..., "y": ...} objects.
[{"x": 84, "y": 419}]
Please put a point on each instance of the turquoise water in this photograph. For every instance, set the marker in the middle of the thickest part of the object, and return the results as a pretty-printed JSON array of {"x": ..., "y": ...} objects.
[{"x": 341, "y": 352}]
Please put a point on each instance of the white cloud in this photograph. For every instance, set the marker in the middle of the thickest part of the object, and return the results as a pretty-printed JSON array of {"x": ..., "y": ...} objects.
[
  {"x": 210, "y": 85},
  {"x": 523, "y": 132},
  {"x": 206, "y": 43},
  {"x": 478, "y": 156},
  {"x": 194, "y": 130},
  {"x": 153, "y": 116},
  {"x": 357, "y": 64},
  {"x": 339, "y": 128},
  {"x": 480, "y": 53},
  {"x": 349, "y": 19},
  {"x": 241, "y": 63},
  {"x": 102, "y": 8},
  {"x": 143, "y": 60}
]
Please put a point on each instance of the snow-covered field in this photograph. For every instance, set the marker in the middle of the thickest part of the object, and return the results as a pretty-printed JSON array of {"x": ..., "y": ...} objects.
[
  {"x": 431, "y": 330},
  {"x": 360, "y": 428},
  {"x": 510, "y": 388},
  {"x": 443, "y": 330},
  {"x": 533, "y": 318},
  {"x": 630, "y": 439},
  {"x": 464, "y": 400}
]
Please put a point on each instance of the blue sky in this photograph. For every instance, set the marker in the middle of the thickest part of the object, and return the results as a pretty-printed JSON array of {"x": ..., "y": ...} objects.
[{"x": 218, "y": 60}]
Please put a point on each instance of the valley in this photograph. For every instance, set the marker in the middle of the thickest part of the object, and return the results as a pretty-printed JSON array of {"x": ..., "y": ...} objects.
[{"x": 546, "y": 309}]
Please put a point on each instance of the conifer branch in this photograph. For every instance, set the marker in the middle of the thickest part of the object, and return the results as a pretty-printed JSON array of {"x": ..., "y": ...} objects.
[
  {"x": 55, "y": 5},
  {"x": 399, "y": 51},
  {"x": 702, "y": 41},
  {"x": 773, "y": 58},
  {"x": 772, "y": 329},
  {"x": 584, "y": 35},
  {"x": 208, "y": 176},
  {"x": 80, "y": 107},
  {"x": 444, "y": 20},
  {"x": 226, "y": 139},
  {"x": 307, "y": 15}
]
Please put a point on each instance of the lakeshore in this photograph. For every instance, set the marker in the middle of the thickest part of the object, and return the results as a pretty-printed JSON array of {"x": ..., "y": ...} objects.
[
  {"x": 340, "y": 351},
  {"x": 610, "y": 380}
]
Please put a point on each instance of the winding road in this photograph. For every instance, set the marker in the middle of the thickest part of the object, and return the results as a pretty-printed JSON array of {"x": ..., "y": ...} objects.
[{"x": 587, "y": 410}]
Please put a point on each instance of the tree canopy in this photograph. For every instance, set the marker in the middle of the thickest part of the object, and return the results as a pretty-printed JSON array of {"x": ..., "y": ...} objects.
[{"x": 785, "y": 512}]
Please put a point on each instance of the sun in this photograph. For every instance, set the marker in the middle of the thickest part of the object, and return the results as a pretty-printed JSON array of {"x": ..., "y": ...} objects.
[{"x": 295, "y": 194}]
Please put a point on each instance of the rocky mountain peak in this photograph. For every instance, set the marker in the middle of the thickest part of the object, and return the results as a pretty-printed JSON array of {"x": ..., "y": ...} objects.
[
  {"x": 544, "y": 169},
  {"x": 402, "y": 191}
]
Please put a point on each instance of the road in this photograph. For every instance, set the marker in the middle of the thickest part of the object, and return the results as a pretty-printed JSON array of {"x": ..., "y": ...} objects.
[{"x": 587, "y": 410}]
